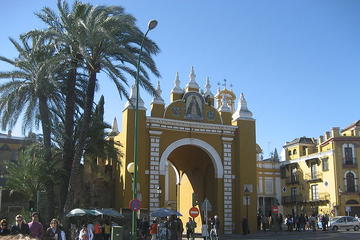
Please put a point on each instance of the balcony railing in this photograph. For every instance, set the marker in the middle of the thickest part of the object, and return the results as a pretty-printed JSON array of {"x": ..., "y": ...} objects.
[
  {"x": 322, "y": 197},
  {"x": 292, "y": 179},
  {"x": 313, "y": 177},
  {"x": 292, "y": 199}
]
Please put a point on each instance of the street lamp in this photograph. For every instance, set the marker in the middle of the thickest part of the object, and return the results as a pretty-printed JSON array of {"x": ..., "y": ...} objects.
[{"x": 151, "y": 25}]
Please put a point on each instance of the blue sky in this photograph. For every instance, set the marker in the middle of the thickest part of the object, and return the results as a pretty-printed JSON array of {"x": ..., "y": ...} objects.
[{"x": 297, "y": 62}]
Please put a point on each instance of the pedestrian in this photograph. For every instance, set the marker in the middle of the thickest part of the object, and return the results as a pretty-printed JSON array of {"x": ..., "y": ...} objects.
[
  {"x": 90, "y": 228},
  {"x": 98, "y": 233},
  {"x": 180, "y": 228},
  {"x": 85, "y": 234},
  {"x": 36, "y": 228},
  {"x": 62, "y": 232},
  {"x": 4, "y": 230},
  {"x": 53, "y": 232},
  {"x": 190, "y": 228},
  {"x": 144, "y": 228},
  {"x": 153, "y": 229},
  {"x": 245, "y": 226},
  {"x": 20, "y": 227},
  {"x": 107, "y": 230}
]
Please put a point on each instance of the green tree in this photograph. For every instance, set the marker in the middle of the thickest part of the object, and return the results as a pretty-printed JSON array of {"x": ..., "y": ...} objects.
[
  {"x": 32, "y": 91},
  {"x": 31, "y": 172},
  {"x": 103, "y": 38}
]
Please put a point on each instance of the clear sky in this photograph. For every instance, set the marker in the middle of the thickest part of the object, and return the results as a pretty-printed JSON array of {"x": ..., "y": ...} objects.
[{"x": 297, "y": 62}]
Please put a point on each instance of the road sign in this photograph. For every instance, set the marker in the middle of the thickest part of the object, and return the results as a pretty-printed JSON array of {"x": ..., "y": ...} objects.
[
  {"x": 275, "y": 209},
  {"x": 135, "y": 204},
  {"x": 194, "y": 212},
  {"x": 206, "y": 205},
  {"x": 348, "y": 208}
]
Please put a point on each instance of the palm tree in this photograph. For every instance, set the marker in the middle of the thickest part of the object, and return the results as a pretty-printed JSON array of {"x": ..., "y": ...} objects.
[
  {"x": 98, "y": 38},
  {"x": 30, "y": 173},
  {"x": 32, "y": 91}
]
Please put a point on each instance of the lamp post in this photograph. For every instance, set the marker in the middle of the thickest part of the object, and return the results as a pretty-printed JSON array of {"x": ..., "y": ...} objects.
[{"x": 151, "y": 25}]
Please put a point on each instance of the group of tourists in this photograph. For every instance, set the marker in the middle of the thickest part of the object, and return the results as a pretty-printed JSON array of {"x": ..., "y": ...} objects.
[
  {"x": 165, "y": 228},
  {"x": 299, "y": 223},
  {"x": 304, "y": 222},
  {"x": 97, "y": 230},
  {"x": 33, "y": 229},
  {"x": 172, "y": 228}
]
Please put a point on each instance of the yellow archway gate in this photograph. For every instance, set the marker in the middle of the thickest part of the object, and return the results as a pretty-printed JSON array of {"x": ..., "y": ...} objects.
[{"x": 189, "y": 130}]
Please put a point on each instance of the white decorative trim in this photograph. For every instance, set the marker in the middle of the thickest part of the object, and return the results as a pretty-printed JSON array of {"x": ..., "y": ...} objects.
[
  {"x": 214, "y": 156},
  {"x": 151, "y": 132},
  {"x": 187, "y": 126},
  {"x": 228, "y": 139},
  {"x": 304, "y": 158}
]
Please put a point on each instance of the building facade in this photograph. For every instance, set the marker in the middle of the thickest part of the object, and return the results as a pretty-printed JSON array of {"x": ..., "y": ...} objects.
[
  {"x": 198, "y": 145},
  {"x": 269, "y": 184},
  {"x": 320, "y": 176}
]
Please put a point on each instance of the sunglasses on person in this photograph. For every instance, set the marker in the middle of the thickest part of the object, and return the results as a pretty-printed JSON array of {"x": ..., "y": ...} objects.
[
  {"x": 4, "y": 225},
  {"x": 19, "y": 219}
]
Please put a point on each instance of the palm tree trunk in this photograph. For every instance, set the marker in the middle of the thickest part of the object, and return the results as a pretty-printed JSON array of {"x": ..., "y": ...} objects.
[
  {"x": 74, "y": 181},
  {"x": 46, "y": 128},
  {"x": 68, "y": 150}
]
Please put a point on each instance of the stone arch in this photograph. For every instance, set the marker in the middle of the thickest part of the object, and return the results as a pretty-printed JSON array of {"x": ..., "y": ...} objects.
[
  {"x": 214, "y": 156},
  {"x": 352, "y": 202}
]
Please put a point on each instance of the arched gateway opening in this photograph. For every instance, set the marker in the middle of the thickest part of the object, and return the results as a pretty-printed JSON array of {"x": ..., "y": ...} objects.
[{"x": 190, "y": 173}]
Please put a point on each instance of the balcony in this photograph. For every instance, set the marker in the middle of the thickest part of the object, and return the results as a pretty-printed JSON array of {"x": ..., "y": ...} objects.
[
  {"x": 314, "y": 177},
  {"x": 292, "y": 199},
  {"x": 321, "y": 199},
  {"x": 292, "y": 180}
]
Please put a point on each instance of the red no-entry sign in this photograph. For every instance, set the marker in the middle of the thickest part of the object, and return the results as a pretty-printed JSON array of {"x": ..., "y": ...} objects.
[{"x": 194, "y": 212}]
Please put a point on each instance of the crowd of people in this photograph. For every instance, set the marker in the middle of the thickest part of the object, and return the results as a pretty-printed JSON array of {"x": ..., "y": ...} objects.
[
  {"x": 300, "y": 222},
  {"x": 172, "y": 228},
  {"x": 97, "y": 230},
  {"x": 33, "y": 229}
]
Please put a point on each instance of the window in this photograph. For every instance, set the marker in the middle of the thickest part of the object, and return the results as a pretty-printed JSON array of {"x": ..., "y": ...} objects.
[
  {"x": 294, "y": 151},
  {"x": 325, "y": 164},
  {"x": 293, "y": 193},
  {"x": 314, "y": 192},
  {"x": 304, "y": 150},
  {"x": 350, "y": 182},
  {"x": 293, "y": 174},
  {"x": 348, "y": 154},
  {"x": 269, "y": 185},
  {"x": 283, "y": 172},
  {"x": 289, "y": 153},
  {"x": 313, "y": 171}
]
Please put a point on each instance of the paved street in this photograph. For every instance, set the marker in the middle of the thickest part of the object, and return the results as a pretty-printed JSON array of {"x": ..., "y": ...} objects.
[{"x": 295, "y": 235}]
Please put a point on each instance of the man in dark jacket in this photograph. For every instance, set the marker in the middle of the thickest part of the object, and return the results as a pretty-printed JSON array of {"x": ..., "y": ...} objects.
[{"x": 20, "y": 227}]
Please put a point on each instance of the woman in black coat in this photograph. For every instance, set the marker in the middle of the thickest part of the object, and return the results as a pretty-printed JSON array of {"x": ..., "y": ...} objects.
[{"x": 4, "y": 230}]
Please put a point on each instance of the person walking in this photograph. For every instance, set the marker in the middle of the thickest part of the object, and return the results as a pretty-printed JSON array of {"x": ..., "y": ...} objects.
[
  {"x": 4, "y": 230},
  {"x": 85, "y": 234},
  {"x": 53, "y": 232},
  {"x": 153, "y": 230},
  {"x": 190, "y": 228},
  {"x": 20, "y": 227},
  {"x": 36, "y": 228}
]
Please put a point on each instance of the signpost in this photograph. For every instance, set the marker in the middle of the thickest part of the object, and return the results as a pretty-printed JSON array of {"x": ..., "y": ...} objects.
[
  {"x": 194, "y": 212},
  {"x": 135, "y": 204},
  {"x": 206, "y": 207}
]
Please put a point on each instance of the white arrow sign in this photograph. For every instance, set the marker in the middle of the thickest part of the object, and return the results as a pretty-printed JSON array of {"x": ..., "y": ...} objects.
[{"x": 206, "y": 205}]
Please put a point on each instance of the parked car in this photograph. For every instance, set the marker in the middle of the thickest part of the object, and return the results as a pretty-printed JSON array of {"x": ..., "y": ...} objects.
[{"x": 344, "y": 222}]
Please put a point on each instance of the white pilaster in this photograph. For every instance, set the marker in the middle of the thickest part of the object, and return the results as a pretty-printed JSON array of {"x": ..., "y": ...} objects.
[
  {"x": 228, "y": 179},
  {"x": 154, "y": 171}
]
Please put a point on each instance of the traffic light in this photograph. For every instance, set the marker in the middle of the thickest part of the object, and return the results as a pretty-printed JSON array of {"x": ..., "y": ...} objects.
[
  {"x": 31, "y": 205},
  {"x": 195, "y": 199}
]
